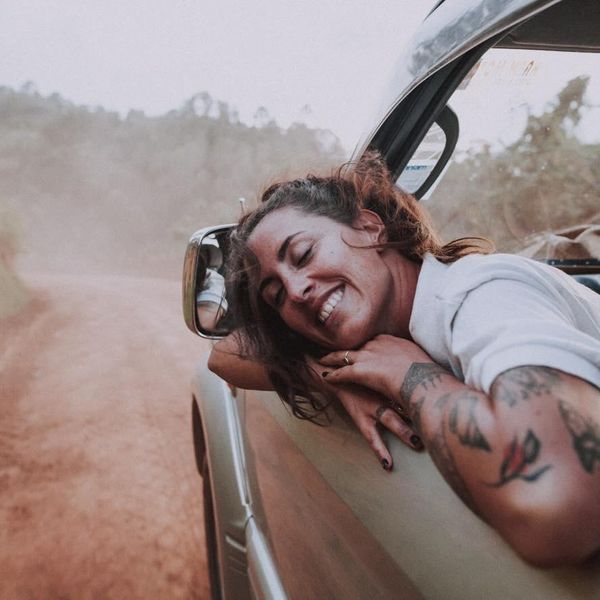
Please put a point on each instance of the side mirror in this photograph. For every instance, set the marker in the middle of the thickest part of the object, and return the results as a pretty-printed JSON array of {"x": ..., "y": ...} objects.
[
  {"x": 421, "y": 173},
  {"x": 205, "y": 308}
]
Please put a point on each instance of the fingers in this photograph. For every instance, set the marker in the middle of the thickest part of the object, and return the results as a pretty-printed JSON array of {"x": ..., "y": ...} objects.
[
  {"x": 337, "y": 359},
  {"x": 391, "y": 420},
  {"x": 344, "y": 375},
  {"x": 373, "y": 436}
]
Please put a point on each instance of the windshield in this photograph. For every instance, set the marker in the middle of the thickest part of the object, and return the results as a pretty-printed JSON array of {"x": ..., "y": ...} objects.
[{"x": 526, "y": 169}]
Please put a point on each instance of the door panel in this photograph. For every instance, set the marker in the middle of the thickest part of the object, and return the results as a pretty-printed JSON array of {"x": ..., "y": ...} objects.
[
  {"x": 340, "y": 526},
  {"x": 321, "y": 549}
]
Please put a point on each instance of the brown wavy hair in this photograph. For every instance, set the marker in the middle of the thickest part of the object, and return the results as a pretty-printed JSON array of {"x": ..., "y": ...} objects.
[{"x": 262, "y": 334}]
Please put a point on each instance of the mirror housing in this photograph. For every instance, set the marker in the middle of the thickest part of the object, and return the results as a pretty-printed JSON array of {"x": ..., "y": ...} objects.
[{"x": 203, "y": 287}]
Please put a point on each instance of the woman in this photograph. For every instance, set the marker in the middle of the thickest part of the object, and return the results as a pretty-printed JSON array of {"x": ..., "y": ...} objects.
[{"x": 343, "y": 289}]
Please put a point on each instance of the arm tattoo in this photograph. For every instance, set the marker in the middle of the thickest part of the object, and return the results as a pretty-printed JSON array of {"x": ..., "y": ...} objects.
[
  {"x": 585, "y": 434},
  {"x": 465, "y": 427},
  {"x": 441, "y": 454},
  {"x": 414, "y": 412},
  {"x": 517, "y": 459},
  {"x": 425, "y": 374},
  {"x": 523, "y": 383}
]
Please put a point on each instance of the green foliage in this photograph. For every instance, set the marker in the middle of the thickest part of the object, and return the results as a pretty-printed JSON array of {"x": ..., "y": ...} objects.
[
  {"x": 99, "y": 191},
  {"x": 545, "y": 181}
]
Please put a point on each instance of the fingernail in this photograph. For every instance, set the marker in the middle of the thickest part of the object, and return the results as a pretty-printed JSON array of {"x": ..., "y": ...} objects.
[
  {"x": 385, "y": 463},
  {"x": 325, "y": 373},
  {"x": 415, "y": 440}
]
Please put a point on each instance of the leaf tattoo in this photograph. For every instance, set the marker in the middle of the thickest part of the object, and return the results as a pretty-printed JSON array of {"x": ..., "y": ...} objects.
[
  {"x": 517, "y": 459},
  {"x": 467, "y": 432},
  {"x": 442, "y": 456},
  {"x": 524, "y": 383},
  {"x": 585, "y": 434}
]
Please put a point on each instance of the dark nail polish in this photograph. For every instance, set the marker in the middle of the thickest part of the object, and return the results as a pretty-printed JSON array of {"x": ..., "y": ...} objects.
[
  {"x": 415, "y": 440},
  {"x": 325, "y": 373},
  {"x": 385, "y": 463}
]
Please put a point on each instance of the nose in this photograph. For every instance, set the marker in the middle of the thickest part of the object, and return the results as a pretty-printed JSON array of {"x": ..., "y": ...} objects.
[{"x": 298, "y": 287}]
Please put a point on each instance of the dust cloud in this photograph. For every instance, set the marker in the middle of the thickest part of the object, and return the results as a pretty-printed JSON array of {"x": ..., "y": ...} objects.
[{"x": 99, "y": 494}]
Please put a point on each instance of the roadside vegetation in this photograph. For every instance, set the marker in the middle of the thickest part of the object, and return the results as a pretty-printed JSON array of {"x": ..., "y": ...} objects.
[
  {"x": 97, "y": 191},
  {"x": 546, "y": 181},
  {"x": 84, "y": 189},
  {"x": 13, "y": 293}
]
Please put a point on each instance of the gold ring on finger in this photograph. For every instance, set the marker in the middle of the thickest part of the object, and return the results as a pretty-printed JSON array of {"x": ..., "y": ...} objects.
[{"x": 347, "y": 358}]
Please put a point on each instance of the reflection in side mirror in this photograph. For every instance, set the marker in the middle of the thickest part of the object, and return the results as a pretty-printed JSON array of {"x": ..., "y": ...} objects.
[{"x": 205, "y": 307}]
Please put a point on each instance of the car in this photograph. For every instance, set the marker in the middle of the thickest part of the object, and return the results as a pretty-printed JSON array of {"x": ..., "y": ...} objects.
[{"x": 491, "y": 120}]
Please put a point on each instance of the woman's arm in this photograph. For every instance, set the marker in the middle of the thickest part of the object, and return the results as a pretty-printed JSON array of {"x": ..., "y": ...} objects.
[
  {"x": 526, "y": 458},
  {"x": 227, "y": 362},
  {"x": 364, "y": 406}
]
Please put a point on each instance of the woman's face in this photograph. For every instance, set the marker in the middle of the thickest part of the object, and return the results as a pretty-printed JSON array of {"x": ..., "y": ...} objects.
[{"x": 335, "y": 294}]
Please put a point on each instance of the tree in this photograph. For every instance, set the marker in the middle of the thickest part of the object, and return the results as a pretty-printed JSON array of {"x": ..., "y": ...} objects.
[
  {"x": 98, "y": 191},
  {"x": 546, "y": 180}
]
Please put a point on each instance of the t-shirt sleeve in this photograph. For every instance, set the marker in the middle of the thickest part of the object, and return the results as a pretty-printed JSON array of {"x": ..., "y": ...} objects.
[{"x": 503, "y": 324}]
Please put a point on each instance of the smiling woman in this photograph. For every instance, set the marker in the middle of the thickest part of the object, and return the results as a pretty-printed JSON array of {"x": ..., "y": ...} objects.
[
  {"x": 343, "y": 291},
  {"x": 352, "y": 240}
]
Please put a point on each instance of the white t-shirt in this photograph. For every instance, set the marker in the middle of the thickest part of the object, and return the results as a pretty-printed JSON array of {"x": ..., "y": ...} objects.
[{"x": 483, "y": 315}]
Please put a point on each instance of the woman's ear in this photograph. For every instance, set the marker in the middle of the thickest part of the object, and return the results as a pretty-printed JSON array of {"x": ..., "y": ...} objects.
[{"x": 371, "y": 223}]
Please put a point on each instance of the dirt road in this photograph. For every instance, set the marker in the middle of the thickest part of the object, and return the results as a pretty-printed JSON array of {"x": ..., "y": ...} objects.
[{"x": 99, "y": 497}]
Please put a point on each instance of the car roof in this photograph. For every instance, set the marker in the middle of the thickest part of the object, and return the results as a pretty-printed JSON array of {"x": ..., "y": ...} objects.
[{"x": 454, "y": 27}]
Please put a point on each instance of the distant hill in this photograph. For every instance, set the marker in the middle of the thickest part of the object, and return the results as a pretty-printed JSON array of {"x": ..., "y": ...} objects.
[{"x": 97, "y": 191}]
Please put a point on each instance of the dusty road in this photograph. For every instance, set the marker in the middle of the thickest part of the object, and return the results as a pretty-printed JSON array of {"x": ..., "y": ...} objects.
[{"x": 99, "y": 497}]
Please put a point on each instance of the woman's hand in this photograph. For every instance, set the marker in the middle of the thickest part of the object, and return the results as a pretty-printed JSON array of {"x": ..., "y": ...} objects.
[
  {"x": 371, "y": 411},
  {"x": 380, "y": 365}
]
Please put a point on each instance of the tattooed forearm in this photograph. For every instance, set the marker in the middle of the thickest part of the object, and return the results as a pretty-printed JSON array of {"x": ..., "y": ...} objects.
[
  {"x": 425, "y": 374},
  {"x": 585, "y": 434},
  {"x": 524, "y": 383},
  {"x": 462, "y": 422},
  {"x": 414, "y": 412},
  {"x": 441, "y": 454},
  {"x": 517, "y": 459}
]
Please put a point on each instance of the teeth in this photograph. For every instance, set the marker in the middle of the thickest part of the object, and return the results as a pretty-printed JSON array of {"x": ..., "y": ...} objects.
[{"x": 329, "y": 305}]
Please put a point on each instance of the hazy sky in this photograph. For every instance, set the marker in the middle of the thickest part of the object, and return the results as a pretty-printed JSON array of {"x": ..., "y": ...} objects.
[{"x": 153, "y": 54}]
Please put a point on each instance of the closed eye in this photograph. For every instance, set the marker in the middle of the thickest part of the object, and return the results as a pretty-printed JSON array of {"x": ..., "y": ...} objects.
[
  {"x": 278, "y": 298},
  {"x": 304, "y": 258},
  {"x": 273, "y": 293}
]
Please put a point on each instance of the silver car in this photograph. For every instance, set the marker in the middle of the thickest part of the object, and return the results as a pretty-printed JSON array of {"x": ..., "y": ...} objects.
[{"x": 492, "y": 121}]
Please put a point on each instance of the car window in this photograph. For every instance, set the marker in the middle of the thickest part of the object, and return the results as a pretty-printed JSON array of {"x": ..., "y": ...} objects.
[{"x": 525, "y": 169}]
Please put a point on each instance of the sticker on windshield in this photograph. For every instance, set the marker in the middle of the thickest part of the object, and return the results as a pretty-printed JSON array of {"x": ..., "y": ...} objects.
[
  {"x": 502, "y": 71},
  {"x": 415, "y": 174}
]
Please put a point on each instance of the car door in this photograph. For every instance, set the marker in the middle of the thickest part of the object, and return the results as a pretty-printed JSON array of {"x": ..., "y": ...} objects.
[{"x": 337, "y": 525}]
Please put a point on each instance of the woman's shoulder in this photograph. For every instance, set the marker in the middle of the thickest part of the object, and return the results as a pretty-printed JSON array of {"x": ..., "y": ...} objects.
[{"x": 475, "y": 270}]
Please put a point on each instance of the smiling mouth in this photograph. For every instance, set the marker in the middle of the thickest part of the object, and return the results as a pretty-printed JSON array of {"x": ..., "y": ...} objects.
[{"x": 329, "y": 305}]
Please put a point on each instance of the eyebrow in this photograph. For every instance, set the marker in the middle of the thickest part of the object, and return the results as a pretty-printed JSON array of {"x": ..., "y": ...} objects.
[
  {"x": 283, "y": 249},
  {"x": 280, "y": 257}
]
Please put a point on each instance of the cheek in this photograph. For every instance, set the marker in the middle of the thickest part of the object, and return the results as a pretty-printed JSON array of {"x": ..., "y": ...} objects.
[{"x": 291, "y": 318}]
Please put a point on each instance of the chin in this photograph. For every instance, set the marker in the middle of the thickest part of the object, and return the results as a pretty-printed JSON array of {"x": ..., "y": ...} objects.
[
  {"x": 354, "y": 339},
  {"x": 353, "y": 336}
]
